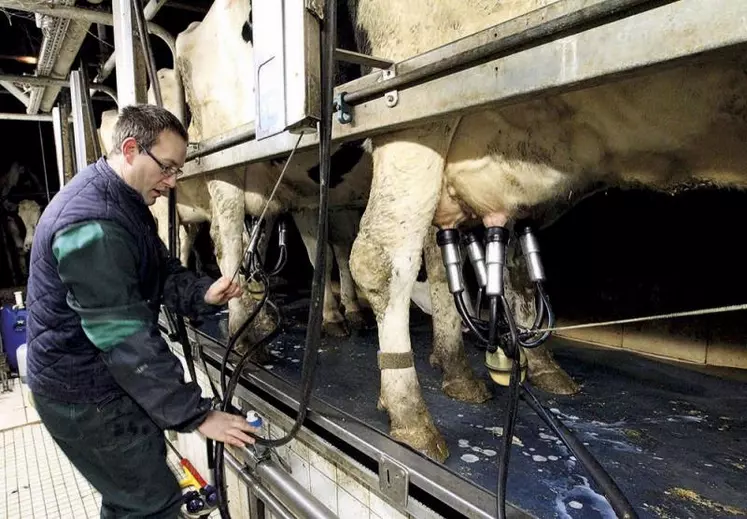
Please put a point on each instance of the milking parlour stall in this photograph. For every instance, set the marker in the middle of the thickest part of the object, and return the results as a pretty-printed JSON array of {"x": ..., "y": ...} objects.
[{"x": 490, "y": 252}]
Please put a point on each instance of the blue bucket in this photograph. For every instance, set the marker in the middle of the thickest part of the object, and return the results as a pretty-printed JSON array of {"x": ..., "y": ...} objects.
[{"x": 13, "y": 332}]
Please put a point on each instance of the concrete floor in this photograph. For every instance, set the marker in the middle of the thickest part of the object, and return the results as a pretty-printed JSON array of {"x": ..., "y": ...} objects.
[{"x": 36, "y": 479}]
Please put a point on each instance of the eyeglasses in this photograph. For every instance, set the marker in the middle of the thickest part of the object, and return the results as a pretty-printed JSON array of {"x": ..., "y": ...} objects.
[{"x": 166, "y": 171}]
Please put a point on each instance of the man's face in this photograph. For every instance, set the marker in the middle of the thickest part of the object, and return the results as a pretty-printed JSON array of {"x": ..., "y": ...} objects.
[{"x": 150, "y": 171}]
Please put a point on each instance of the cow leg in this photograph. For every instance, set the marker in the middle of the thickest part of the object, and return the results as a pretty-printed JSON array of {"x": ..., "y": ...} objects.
[
  {"x": 333, "y": 323},
  {"x": 342, "y": 233},
  {"x": 459, "y": 381},
  {"x": 186, "y": 240},
  {"x": 227, "y": 231},
  {"x": 544, "y": 372},
  {"x": 357, "y": 317},
  {"x": 160, "y": 212},
  {"x": 385, "y": 260}
]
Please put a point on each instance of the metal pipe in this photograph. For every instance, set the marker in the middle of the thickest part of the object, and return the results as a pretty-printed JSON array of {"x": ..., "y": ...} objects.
[
  {"x": 101, "y": 36},
  {"x": 299, "y": 501},
  {"x": 506, "y": 43},
  {"x": 106, "y": 69},
  {"x": 86, "y": 142},
  {"x": 223, "y": 141},
  {"x": 25, "y": 117},
  {"x": 89, "y": 115},
  {"x": 131, "y": 86},
  {"x": 150, "y": 60},
  {"x": 63, "y": 136},
  {"x": 105, "y": 89},
  {"x": 362, "y": 59},
  {"x": 270, "y": 501}
]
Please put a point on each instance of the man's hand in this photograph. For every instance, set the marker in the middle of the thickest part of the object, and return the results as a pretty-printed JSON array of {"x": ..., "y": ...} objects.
[
  {"x": 227, "y": 428},
  {"x": 222, "y": 291}
]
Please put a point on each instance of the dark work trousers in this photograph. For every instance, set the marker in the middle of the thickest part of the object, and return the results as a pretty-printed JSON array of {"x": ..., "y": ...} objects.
[{"x": 120, "y": 451}]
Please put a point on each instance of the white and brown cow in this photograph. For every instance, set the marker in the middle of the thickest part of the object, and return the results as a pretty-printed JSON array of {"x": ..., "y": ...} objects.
[
  {"x": 679, "y": 125},
  {"x": 22, "y": 236}
]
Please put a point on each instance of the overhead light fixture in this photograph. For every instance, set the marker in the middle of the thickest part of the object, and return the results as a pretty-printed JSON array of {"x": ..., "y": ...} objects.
[{"x": 31, "y": 60}]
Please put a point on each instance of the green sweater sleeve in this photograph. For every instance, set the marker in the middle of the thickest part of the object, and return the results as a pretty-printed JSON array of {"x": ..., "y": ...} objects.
[{"x": 98, "y": 261}]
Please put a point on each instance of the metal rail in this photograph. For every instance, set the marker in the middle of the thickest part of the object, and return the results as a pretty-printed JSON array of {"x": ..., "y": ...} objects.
[
  {"x": 271, "y": 502},
  {"x": 280, "y": 483},
  {"x": 530, "y": 29}
]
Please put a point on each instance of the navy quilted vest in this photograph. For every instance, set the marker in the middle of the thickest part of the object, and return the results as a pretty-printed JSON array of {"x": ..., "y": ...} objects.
[{"x": 62, "y": 363}]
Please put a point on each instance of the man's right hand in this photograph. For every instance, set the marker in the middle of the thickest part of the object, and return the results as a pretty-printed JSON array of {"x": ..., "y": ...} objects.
[{"x": 227, "y": 428}]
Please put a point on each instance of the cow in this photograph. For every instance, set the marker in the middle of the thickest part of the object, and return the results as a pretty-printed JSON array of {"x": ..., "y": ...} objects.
[
  {"x": 680, "y": 125},
  {"x": 18, "y": 177},
  {"x": 28, "y": 212},
  {"x": 16, "y": 239}
]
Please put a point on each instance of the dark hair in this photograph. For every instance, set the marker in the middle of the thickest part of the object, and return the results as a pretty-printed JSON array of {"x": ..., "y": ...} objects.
[{"x": 145, "y": 123}]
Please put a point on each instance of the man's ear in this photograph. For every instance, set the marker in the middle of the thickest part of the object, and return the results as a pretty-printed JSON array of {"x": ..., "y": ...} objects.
[{"x": 129, "y": 149}]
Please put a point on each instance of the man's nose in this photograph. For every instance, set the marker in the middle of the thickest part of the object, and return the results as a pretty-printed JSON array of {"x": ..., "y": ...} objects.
[{"x": 171, "y": 181}]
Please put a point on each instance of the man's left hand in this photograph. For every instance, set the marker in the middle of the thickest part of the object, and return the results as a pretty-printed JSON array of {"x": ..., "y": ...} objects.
[{"x": 222, "y": 291}]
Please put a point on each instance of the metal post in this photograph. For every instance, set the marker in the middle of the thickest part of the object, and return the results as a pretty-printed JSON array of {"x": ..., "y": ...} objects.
[
  {"x": 57, "y": 126},
  {"x": 85, "y": 146},
  {"x": 150, "y": 11},
  {"x": 63, "y": 141},
  {"x": 131, "y": 86},
  {"x": 91, "y": 130},
  {"x": 256, "y": 506}
]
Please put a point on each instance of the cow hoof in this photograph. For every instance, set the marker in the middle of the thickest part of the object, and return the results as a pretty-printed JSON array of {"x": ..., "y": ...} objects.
[
  {"x": 335, "y": 329},
  {"x": 467, "y": 389},
  {"x": 424, "y": 439},
  {"x": 360, "y": 320},
  {"x": 555, "y": 382}
]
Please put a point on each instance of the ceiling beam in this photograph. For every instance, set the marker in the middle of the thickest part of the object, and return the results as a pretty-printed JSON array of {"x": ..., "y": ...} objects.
[{"x": 17, "y": 92}]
